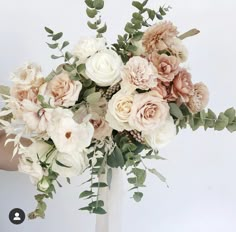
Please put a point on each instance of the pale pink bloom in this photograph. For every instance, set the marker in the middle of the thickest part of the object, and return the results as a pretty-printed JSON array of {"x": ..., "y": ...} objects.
[
  {"x": 101, "y": 128},
  {"x": 149, "y": 111},
  {"x": 183, "y": 86},
  {"x": 35, "y": 117},
  {"x": 157, "y": 33},
  {"x": 138, "y": 73},
  {"x": 61, "y": 90},
  {"x": 167, "y": 66},
  {"x": 199, "y": 100}
]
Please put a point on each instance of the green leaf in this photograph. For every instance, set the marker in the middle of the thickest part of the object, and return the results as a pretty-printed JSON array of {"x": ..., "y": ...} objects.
[
  {"x": 230, "y": 114},
  {"x": 132, "y": 180},
  {"x": 68, "y": 180},
  {"x": 91, "y": 12},
  {"x": 162, "y": 11},
  {"x": 48, "y": 30},
  {"x": 57, "y": 36},
  {"x": 116, "y": 159},
  {"x": 159, "y": 16},
  {"x": 99, "y": 210},
  {"x": 61, "y": 164},
  {"x": 137, "y": 16},
  {"x": 95, "y": 204},
  {"x": 102, "y": 29},
  {"x": 85, "y": 194},
  {"x": 145, "y": 2},
  {"x": 138, "y": 196},
  {"x": 89, "y": 3},
  {"x": 129, "y": 28},
  {"x": 68, "y": 67},
  {"x": 232, "y": 127},
  {"x": 52, "y": 46},
  {"x": 55, "y": 57},
  {"x": 156, "y": 173},
  {"x": 86, "y": 208},
  {"x": 92, "y": 25},
  {"x": 65, "y": 43},
  {"x": 221, "y": 122},
  {"x": 98, "y": 4},
  {"x": 151, "y": 14},
  {"x": 175, "y": 111},
  {"x": 89, "y": 91},
  {"x": 138, "y": 5},
  {"x": 140, "y": 175},
  {"x": 132, "y": 48},
  {"x": 99, "y": 185},
  {"x": 137, "y": 36},
  {"x": 81, "y": 68}
]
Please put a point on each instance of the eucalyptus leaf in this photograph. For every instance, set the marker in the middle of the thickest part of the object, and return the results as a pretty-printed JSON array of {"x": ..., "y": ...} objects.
[
  {"x": 91, "y": 12},
  {"x": 156, "y": 173},
  {"x": 189, "y": 33},
  {"x": 99, "y": 210},
  {"x": 138, "y": 196},
  {"x": 57, "y": 36},
  {"x": 48, "y": 30},
  {"x": 52, "y": 46},
  {"x": 98, "y": 4},
  {"x": 175, "y": 111},
  {"x": 85, "y": 194}
]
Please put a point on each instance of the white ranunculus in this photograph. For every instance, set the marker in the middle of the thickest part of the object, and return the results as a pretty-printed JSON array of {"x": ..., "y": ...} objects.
[
  {"x": 75, "y": 163},
  {"x": 67, "y": 135},
  {"x": 29, "y": 162},
  {"x": 27, "y": 74},
  {"x": 104, "y": 67},
  {"x": 162, "y": 135},
  {"x": 87, "y": 47}
]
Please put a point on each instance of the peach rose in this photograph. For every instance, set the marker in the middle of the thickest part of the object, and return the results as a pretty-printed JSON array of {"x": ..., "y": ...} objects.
[
  {"x": 182, "y": 85},
  {"x": 61, "y": 90},
  {"x": 199, "y": 100},
  {"x": 149, "y": 111},
  {"x": 157, "y": 33},
  {"x": 167, "y": 66},
  {"x": 166, "y": 91},
  {"x": 139, "y": 73}
]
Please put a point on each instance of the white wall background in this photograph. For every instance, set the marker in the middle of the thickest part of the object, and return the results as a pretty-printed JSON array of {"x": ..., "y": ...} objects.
[{"x": 201, "y": 166}]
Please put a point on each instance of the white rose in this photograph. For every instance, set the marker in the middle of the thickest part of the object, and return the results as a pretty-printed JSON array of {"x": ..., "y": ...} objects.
[
  {"x": 27, "y": 74},
  {"x": 119, "y": 109},
  {"x": 104, "y": 67},
  {"x": 67, "y": 135},
  {"x": 161, "y": 136},
  {"x": 88, "y": 47},
  {"x": 76, "y": 163},
  {"x": 29, "y": 162}
]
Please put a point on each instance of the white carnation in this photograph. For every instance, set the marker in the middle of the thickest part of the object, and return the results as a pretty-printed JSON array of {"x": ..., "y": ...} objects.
[
  {"x": 161, "y": 136},
  {"x": 88, "y": 47},
  {"x": 104, "y": 67}
]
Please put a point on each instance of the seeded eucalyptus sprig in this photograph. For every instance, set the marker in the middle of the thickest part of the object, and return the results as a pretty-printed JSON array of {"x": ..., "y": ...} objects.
[{"x": 93, "y": 12}]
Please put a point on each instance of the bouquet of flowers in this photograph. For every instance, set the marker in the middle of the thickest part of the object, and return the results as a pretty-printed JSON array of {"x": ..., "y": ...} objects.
[{"x": 106, "y": 106}]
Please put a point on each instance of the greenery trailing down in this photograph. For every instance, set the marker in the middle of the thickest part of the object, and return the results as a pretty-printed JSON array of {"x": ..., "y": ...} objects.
[
  {"x": 134, "y": 29},
  {"x": 93, "y": 12},
  {"x": 205, "y": 118}
]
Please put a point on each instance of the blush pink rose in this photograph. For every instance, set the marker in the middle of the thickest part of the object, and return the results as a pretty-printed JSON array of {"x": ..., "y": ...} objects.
[
  {"x": 61, "y": 90},
  {"x": 167, "y": 66},
  {"x": 149, "y": 111},
  {"x": 182, "y": 85}
]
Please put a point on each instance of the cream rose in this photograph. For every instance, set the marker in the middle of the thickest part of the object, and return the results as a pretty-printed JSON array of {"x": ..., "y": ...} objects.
[
  {"x": 87, "y": 47},
  {"x": 67, "y": 135},
  {"x": 161, "y": 136},
  {"x": 119, "y": 110},
  {"x": 149, "y": 111},
  {"x": 61, "y": 90},
  {"x": 139, "y": 73},
  {"x": 104, "y": 67}
]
